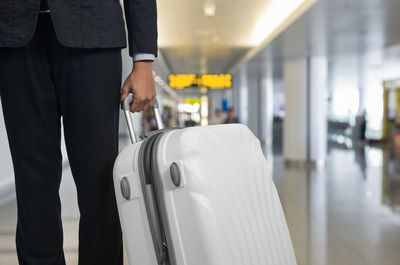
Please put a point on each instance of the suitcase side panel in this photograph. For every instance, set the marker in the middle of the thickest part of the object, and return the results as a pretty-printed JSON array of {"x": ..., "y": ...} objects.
[
  {"x": 133, "y": 215},
  {"x": 226, "y": 210}
]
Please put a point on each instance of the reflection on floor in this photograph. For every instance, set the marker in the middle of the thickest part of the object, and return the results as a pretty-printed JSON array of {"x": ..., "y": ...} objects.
[
  {"x": 345, "y": 213},
  {"x": 341, "y": 214}
]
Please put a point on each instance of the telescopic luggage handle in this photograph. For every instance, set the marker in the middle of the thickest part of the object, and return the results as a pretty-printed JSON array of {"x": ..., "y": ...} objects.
[{"x": 126, "y": 105}]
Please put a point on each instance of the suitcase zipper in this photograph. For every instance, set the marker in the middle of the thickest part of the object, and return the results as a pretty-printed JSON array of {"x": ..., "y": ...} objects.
[
  {"x": 164, "y": 255},
  {"x": 152, "y": 200}
]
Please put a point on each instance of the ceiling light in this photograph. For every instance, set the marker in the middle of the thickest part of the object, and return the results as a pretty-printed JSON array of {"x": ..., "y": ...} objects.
[
  {"x": 275, "y": 16},
  {"x": 209, "y": 9}
]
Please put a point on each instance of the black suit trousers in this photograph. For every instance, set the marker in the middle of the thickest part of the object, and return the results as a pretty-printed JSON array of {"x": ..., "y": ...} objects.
[{"x": 41, "y": 83}]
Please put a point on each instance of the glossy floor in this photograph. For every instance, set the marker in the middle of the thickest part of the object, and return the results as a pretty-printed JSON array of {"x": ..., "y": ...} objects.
[{"x": 344, "y": 213}]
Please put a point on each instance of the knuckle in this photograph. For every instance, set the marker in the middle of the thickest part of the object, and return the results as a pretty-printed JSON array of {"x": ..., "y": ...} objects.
[{"x": 139, "y": 99}]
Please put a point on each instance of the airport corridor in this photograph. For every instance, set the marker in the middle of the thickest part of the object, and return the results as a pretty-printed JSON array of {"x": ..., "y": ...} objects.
[{"x": 311, "y": 85}]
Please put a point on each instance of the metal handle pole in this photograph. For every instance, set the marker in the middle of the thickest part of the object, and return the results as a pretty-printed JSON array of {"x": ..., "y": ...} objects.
[
  {"x": 126, "y": 105},
  {"x": 157, "y": 115}
]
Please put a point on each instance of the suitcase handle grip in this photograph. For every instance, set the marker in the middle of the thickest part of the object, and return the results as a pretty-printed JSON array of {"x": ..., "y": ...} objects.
[{"x": 126, "y": 105}]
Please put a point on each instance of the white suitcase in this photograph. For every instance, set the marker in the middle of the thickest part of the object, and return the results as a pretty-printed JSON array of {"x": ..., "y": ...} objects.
[{"x": 199, "y": 196}]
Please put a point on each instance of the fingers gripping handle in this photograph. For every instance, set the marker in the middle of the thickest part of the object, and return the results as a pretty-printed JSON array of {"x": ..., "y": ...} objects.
[{"x": 126, "y": 105}]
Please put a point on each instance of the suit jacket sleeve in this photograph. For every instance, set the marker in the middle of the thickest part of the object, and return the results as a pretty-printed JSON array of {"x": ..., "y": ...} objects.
[{"x": 141, "y": 21}]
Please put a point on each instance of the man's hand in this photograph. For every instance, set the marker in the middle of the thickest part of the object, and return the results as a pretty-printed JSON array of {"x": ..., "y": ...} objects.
[{"x": 140, "y": 83}]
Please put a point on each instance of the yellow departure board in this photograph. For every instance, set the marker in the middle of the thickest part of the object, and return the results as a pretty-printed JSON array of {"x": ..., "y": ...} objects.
[
  {"x": 219, "y": 81},
  {"x": 193, "y": 101}
]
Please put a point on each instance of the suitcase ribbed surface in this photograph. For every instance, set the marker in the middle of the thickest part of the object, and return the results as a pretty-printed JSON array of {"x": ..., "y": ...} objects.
[{"x": 227, "y": 211}]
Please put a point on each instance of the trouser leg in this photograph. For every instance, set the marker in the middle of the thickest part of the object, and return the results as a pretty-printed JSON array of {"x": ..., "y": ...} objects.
[
  {"x": 32, "y": 120},
  {"x": 88, "y": 82}
]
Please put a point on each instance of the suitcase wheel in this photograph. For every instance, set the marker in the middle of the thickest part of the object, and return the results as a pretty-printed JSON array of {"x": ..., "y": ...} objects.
[{"x": 175, "y": 174}]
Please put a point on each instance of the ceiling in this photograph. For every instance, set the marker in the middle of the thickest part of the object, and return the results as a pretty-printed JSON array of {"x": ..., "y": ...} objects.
[
  {"x": 339, "y": 28},
  {"x": 190, "y": 42}
]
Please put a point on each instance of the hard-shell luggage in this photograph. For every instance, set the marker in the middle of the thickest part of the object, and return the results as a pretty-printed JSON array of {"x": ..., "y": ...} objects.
[{"x": 199, "y": 196}]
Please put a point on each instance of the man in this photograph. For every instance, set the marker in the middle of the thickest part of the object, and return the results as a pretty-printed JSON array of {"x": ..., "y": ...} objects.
[
  {"x": 231, "y": 116},
  {"x": 63, "y": 59},
  {"x": 190, "y": 122}
]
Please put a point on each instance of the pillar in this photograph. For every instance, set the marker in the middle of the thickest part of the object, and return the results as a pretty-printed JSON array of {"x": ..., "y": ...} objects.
[
  {"x": 253, "y": 97},
  {"x": 305, "y": 122},
  {"x": 266, "y": 103},
  {"x": 243, "y": 94}
]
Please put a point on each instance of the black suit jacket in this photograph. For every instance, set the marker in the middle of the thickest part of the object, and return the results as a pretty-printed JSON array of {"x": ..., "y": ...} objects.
[{"x": 83, "y": 23}]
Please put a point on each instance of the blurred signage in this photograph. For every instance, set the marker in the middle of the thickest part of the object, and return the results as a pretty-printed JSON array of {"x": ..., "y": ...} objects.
[
  {"x": 181, "y": 81},
  {"x": 193, "y": 101}
]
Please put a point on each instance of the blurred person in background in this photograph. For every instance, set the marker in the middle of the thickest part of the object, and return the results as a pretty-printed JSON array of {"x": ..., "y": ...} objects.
[
  {"x": 148, "y": 121},
  {"x": 218, "y": 118},
  {"x": 190, "y": 122},
  {"x": 363, "y": 127},
  {"x": 58, "y": 59},
  {"x": 395, "y": 139},
  {"x": 167, "y": 116},
  {"x": 360, "y": 128},
  {"x": 231, "y": 116}
]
